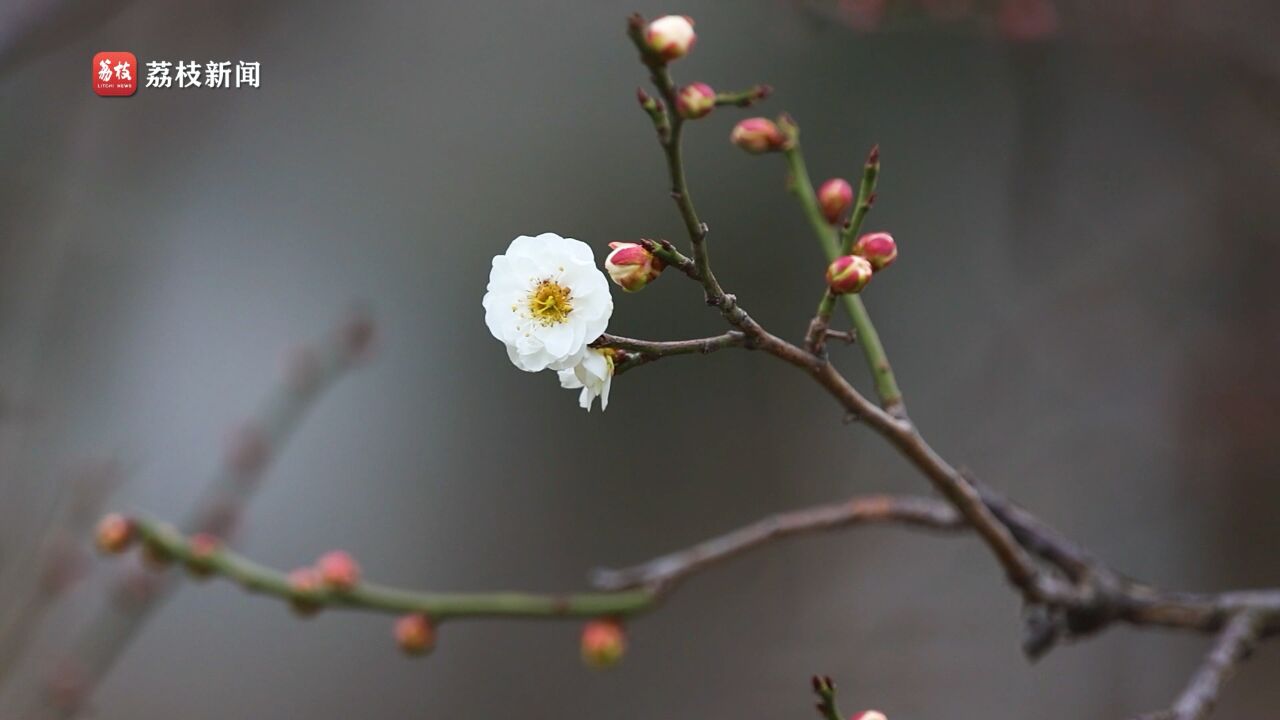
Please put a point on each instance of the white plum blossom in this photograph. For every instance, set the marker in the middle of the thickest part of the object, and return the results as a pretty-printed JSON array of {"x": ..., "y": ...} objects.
[
  {"x": 546, "y": 301},
  {"x": 594, "y": 375}
]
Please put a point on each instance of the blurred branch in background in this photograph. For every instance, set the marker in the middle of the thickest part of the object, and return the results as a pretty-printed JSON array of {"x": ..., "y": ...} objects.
[
  {"x": 58, "y": 563},
  {"x": 307, "y": 371}
]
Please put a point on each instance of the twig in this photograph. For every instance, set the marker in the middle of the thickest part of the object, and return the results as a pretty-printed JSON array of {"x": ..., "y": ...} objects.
[
  {"x": 1234, "y": 645},
  {"x": 641, "y": 352},
  {"x": 669, "y": 569},
  {"x": 886, "y": 383},
  {"x": 826, "y": 692}
]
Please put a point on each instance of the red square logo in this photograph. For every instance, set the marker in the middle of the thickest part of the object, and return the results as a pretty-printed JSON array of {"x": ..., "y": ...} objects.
[{"x": 115, "y": 73}]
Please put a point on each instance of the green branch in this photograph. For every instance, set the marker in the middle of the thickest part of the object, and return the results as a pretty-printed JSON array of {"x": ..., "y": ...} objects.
[
  {"x": 872, "y": 349},
  {"x": 167, "y": 542}
]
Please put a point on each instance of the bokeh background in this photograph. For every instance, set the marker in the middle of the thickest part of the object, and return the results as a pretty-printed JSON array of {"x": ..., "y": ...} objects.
[{"x": 1084, "y": 313}]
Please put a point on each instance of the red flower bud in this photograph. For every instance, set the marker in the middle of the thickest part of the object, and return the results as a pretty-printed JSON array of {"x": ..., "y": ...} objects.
[
  {"x": 415, "y": 634},
  {"x": 631, "y": 266},
  {"x": 695, "y": 100},
  {"x": 848, "y": 274},
  {"x": 670, "y": 37},
  {"x": 203, "y": 547},
  {"x": 307, "y": 586},
  {"x": 114, "y": 534},
  {"x": 868, "y": 715},
  {"x": 603, "y": 642},
  {"x": 834, "y": 197},
  {"x": 338, "y": 570},
  {"x": 878, "y": 248},
  {"x": 758, "y": 135}
]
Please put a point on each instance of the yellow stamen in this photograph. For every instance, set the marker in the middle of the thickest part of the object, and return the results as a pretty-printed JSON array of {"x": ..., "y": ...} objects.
[{"x": 550, "y": 302}]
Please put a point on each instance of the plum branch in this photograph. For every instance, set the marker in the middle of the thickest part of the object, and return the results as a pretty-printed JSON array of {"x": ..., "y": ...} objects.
[{"x": 1068, "y": 593}]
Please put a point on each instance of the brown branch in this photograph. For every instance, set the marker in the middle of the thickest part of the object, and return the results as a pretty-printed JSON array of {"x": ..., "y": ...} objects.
[
  {"x": 641, "y": 352},
  {"x": 664, "y": 572},
  {"x": 1234, "y": 645}
]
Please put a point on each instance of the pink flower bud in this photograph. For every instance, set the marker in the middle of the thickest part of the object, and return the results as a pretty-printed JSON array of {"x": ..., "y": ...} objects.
[
  {"x": 415, "y": 634},
  {"x": 203, "y": 547},
  {"x": 848, "y": 274},
  {"x": 868, "y": 715},
  {"x": 338, "y": 570},
  {"x": 757, "y": 135},
  {"x": 603, "y": 642},
  {"x": 114, "y": 534},
  {"x": 631, "y": 266},
  {"x": 670, "y": 37},
  {"x": 834, "y": 197},
  {"x": 695, "y": 100},
  {"x": 307, "y": 586},
  {"x": 878, "y": 248}
]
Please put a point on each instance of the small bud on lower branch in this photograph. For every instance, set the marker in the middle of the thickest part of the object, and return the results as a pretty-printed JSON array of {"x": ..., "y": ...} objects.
[
  {"x": 415, "y": 634},
  {"x": 114, "y": 534},
  {"x": 670, "y": 37},
  {"x": 878, "y": 248},
  {"x": 631, "y": 266},
  {"x": 338, "y": 570},
  {"x": 603, "y": 643},
  {"x": 307, "y": 586},
  {"x": 203, "y": 547},
  {"x": 758, "y": 135},
  {"x": 695, "y": 100},
  {"x": 835, "y": 196},
  {"x": 848, "y": 274}
]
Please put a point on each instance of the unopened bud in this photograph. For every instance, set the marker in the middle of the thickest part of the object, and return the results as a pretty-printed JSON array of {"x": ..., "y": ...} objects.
[
  {"x": 695, "y": 100},
  {"x": 338, "y": 570},
  {"x": 878, "y": 248},
  {"x": 834, "y": 197},
  {"x": 670, "y": 37},
  {"x": 202, "y": 548},
  {"x": 307, "y": 587},
  {"x": 758, "y": 135},
  {"x": 868, "y": 715},
  {"x": 632, "y": 266},
  {"x": 603, "y": 642},
  {"x": 114, "y": 534},
  {"x": 848, "y": 274},
  {"x": 415, "y": 634}
]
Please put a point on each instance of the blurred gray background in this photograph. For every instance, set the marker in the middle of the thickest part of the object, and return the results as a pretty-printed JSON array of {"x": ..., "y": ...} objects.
[{"x": 1084, "y": 313}]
